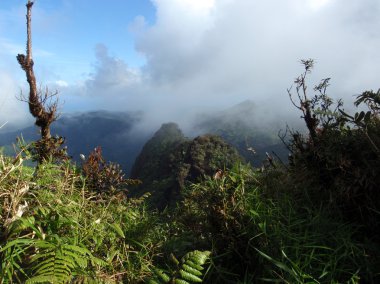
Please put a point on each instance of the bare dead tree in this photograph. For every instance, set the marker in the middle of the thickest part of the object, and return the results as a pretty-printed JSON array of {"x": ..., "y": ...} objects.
[
  {"x": 42, "y": 103},
  {"x": 44, "y": 114}
]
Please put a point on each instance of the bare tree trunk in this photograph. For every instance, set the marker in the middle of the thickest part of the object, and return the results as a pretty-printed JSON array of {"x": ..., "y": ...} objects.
[
  {"x": 41, "y": 105},
  {"x": 44, "y": 115}
]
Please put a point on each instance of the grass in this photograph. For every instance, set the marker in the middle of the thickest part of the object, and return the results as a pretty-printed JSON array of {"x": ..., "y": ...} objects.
[
  {"x": 274, "y": 237},
  {"x": 257, "y": 227},
  {"x": 61, "y": 211}
]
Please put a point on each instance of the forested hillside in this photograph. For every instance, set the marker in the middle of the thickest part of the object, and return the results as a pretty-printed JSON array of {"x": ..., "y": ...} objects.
[
  {"x": 169, "y": 162},
  {"x": 314, "y": 220},
  {"x": 194, "y": 209}
]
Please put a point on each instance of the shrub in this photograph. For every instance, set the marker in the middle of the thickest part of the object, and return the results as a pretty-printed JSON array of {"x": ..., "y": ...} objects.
[
  {"x": 102, "y": 176},
  {"x": 337, "y": 162}
]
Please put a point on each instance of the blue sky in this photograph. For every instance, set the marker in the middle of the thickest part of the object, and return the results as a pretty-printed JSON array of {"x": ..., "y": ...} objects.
[
  {"x": 173, "y": 59},
  {"x": 65, "y": 32}
]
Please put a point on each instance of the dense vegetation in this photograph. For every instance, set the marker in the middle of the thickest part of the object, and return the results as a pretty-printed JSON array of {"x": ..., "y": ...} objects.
[
  {"x": 313, "y": 220},
  {"x": 169, "y": 161}
]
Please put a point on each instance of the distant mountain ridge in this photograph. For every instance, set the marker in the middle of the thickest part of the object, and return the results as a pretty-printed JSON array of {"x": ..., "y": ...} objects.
[
  {"x": 242, "y": 126},
  {"x": 85, "y": 131},
  {"x": 116, "y": 133}
]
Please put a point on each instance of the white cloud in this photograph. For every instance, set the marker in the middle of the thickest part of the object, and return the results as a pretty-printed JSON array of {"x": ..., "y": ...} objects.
[
  {"x": 12, "y": 111},
  {"x": 198, "y": 5},
  {"x": 111, "y": 73},
  {"x": 318, "y": 4},
  {"x": 7, "y": 47},
  {"x": 211, "y": 54},
  {"x": 253, "y": 47},
  {"x": 61, "y": 83}
]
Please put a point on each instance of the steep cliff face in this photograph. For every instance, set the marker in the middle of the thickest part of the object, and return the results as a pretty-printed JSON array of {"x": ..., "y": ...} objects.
[{"x": 169, "y": 161}]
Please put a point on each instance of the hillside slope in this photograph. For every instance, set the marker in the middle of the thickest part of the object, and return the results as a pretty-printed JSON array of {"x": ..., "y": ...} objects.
[{"x": 169, "y": 161}]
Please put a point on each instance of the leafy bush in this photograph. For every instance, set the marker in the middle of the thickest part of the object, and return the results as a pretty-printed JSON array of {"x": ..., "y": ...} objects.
[
  {"x": 49, "y": 149},
  {"x": 102, "y": 176},
  {"x": 337, "y": 162}
]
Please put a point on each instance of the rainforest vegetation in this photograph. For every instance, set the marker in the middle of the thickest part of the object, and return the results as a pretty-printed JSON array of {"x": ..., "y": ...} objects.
[
  {"x": 194, "y": 210},
  {"x": 197, "y": 212}
]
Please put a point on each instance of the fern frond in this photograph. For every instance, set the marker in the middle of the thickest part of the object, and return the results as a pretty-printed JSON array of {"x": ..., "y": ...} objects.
[
  {"x": 42, "y": 280},
  {"x": 192, "y": 270},
  {"x": 190, "y": 263},
  {"x": 22, "y": 224},
  {"x": 153, "y": 281},
  {"x": 162, "y": 275},
  {"x": 189, "y": 276},
  {"x": 58, "y": 261},
  {"x": 11, "y": 256},
  {"x": 188, "y": 271},
  {"x": 117, "y": 229},
  {"x": 198, "y": 257},
  {"x": 181, "y": 281}
]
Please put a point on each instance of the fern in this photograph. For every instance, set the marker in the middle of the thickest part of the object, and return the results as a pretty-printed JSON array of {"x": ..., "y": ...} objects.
[
  {"x": 50, "y": 259},
  {"x": 11, "y": 256},
  {"x": 59, "y": 262},
  {"x": 189, "y": 269}
]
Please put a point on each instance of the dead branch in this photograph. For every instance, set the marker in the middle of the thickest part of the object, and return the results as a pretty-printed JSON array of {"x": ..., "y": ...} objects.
[
  {"x": 45, "y": 113},
  {"x": 304, "y": 102},
  {"x": 42, "y": 103}
]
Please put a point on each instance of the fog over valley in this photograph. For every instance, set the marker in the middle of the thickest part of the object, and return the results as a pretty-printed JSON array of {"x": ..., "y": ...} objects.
[{"x": 192, "y": 57}]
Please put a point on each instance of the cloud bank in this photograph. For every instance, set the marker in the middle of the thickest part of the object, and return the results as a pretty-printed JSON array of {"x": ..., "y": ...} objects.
[{"x": 210, "y": 54}]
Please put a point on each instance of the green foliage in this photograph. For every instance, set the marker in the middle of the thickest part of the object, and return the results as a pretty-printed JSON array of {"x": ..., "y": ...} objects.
[
  {"x": 168, "y": 162},
  {"x": 151, "y": 162},
  {"x": 188, "y": 270},
  {"x": 56, "y": 261},
  {"x": 315, "y": 220},
  {"x": 54, "y": 227},
  {"x": 371, "y": 99},
  {"x": 207, "y": 154},
  {"x": 338, "y": 161},
  {"x": 46, "y": 149},
  {"x": 217, "y": 211},
  {"x": 154, "y": 168},
  {"x": 242, "y": 213},
  {"x": 102, "y": 176}
]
